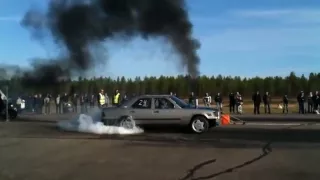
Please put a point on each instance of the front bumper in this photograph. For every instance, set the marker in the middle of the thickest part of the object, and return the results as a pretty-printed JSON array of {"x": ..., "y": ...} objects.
[
  {"x": 217, "y": 114},
  {"x": 213, "y": 116}
]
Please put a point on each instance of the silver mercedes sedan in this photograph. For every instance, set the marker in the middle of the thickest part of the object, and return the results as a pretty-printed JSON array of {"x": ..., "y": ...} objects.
[{"x": 156, "y": 110}]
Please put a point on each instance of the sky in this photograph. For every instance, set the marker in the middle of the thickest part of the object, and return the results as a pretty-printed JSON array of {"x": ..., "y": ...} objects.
[{"x": 244, "y": 38}]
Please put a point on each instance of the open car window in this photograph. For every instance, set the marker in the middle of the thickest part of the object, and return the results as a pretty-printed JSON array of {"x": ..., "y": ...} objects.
[
  {"x": 163, "y": 103},
  {"x": 143, "y": 103}
]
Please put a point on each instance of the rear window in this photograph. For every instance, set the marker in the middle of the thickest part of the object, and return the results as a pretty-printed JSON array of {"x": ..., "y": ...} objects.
[{"x": 143, "y": 103}]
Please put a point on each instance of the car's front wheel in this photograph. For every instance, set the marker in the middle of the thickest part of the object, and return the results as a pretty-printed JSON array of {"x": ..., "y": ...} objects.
[
  {"x": 199, "y": 124},
  {"x": 127, "y": 122}
]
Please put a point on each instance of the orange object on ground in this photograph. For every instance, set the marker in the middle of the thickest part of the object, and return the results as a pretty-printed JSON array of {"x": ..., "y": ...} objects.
[{"x": 225, "y": 119}]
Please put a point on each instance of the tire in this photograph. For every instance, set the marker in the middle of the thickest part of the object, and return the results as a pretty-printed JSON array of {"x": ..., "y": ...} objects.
[
  {"x": 199, "y": 125},
  {"x": 126, "y": 122}
]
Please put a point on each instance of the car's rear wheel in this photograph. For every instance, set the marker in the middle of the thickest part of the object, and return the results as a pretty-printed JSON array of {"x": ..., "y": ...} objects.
[
  {"x": 199, "y": 124},
  {"x": 127, "y": 122}
]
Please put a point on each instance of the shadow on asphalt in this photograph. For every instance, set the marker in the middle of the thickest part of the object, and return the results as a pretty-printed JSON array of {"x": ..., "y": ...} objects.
[
  {"x": 238, "y": 136},
  {"x": 242, "y": 137}
]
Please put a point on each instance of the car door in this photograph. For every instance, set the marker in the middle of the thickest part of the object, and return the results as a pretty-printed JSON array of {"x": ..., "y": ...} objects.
[
  {"x": 141, "y": 110},
  {"x": 164, "y": 112}
]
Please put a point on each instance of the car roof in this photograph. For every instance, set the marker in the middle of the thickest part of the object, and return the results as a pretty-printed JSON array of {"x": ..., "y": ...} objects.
[
  {"x": 154, "y": 95},
  {"x": 133, "y": 99}
]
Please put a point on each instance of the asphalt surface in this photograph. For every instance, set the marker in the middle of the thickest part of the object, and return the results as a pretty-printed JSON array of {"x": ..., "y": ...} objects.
[
  {"x": 278, "y": 117},
  {"x": 34, "y": 148},
  {"x": 235, "y": 117}
]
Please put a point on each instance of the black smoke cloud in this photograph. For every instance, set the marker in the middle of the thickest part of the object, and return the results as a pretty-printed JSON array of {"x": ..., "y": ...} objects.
[{"x": 77, "y": 24}]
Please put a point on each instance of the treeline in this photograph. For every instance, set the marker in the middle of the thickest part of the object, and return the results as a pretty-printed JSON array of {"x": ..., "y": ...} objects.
[{"x": 181, "y": 85}]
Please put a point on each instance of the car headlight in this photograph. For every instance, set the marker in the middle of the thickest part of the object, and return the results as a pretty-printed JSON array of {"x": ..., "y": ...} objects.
[{"x": 209, "y": 114}]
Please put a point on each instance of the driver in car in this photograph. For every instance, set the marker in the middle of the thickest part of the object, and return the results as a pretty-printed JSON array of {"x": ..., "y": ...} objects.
[{"x": 161, "y": 104}]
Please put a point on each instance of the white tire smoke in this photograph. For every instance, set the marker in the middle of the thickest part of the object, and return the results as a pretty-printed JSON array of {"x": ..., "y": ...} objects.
[{"x": 92, "y": 124}]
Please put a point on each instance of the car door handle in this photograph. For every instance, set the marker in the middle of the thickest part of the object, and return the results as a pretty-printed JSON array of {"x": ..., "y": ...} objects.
[
  {"x": 156, "y": 111},
  {"x": 132, "y": 111}
]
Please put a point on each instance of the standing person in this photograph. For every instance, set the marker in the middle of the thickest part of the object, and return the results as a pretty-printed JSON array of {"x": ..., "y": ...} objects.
[
  {"x": 192, "y": 99},
  {"x": 40, "y": 104},
  {"x": 19, "y": 102},
  {"x": 23, "y": 105},
  {"x": 81, "y": 103},
  {"x": 301, "y": 100},
  {"x": 256, "y": 98},
  {"x": 266, "y": 102},
  {"x": 75, "y": 102},
  {"x": 84, "y": 103},
  {"x": 310, "y": 108},
  {"x": 92, "y": 100},
  {"x": 29, "y": 103},
  {"x": 316, "y": 101},
  {"x": 101, "y": 99},
  {"x": 239, "y": 102},
  {"x": 35, "y": 103},
  {"x": 232, "y": 102},
  {"x": 116, "y": 98},
  {"x": 218, "y": 100},
  {"x": 207, "y": 100},
  {"x": 49, "y": 107},
  {"x": 46, "y": 101},
  {"x": 64, "y": 102},
  {"x": 125, "y": 98},
  {"x": 285, "y": 102},
  {"x": 58, "y": 104},
  {"x": 107, "y": 103}
]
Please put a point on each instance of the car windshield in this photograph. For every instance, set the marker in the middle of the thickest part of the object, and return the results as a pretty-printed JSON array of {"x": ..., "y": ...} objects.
[
  {"x": 179, "y": 102},
  {"x": 123, "y": 102}
]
